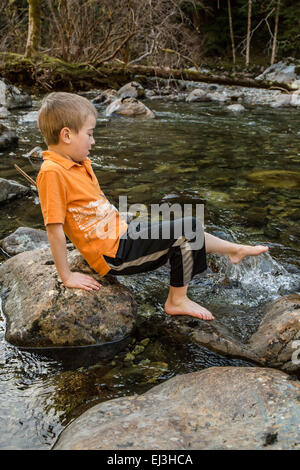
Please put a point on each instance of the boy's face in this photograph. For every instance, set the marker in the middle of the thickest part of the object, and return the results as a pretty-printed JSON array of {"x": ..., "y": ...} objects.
[{"x": 80, "y": 144}]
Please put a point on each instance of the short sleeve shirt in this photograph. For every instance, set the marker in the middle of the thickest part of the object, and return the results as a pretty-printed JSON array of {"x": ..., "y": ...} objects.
[{"x": 70, "y": 195}]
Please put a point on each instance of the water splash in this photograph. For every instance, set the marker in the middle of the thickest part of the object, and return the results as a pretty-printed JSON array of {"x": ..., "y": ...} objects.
[{"x": 254, "y": 280}]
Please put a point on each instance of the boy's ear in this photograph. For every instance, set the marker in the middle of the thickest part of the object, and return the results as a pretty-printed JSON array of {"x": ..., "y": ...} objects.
[{"x": 65, "y": 135}]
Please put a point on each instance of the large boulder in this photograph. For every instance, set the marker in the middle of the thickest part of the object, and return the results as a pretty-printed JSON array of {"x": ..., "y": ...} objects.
[
  {"x": 24, "y": 239},
  {"x": 131, "y": 90},
  {"x": 217, "y": 408},
  {"x": 129, "y": 107},
  {"x": 278, "y": 337},
  {"x": 41, "y": 312},
  {"x": 11, "y": 97},
  {"x": 197, "y": 95},
  {"x": 287, "y": 72},
  {"x": 7, "y": 138},
  {"x": 10, "y": 189}
]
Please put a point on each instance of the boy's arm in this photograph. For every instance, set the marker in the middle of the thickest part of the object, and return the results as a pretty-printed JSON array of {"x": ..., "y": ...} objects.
[{"x": 58, "y": 246}]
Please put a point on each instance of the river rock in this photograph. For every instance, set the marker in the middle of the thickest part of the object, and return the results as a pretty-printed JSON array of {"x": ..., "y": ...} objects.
[
  {"x": 282, "y": 101},
  {"x": 35, "y": 154},
  {"x": 106, "y": 97},
  {"x": 24, "y": 239},
  {"x": 7, "y": 138},
  {"x": 295, "y": 99},
  {"x": 282, "y": 72},
  {"x": 197, "y": 95},
  {"x": 131, "y": 90},
  {"x": 277, "y": 339},
  {"x": 10, "y": 189},
  {"x": 212, "y": 335},
  {"x": 217, "y": 408},
  {"x": 236, "y": 108},
  {"x": 11, "y": 97},
  {"x": 4, "y": 113},
  {"x": 41, "y": 312},
  {"x": 129, "y": 107}
]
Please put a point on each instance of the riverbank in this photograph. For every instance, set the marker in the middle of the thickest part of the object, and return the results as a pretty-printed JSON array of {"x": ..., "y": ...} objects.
[{"x": 45, "y": 73}]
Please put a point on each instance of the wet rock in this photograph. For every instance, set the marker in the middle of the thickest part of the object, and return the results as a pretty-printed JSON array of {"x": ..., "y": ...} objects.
[
  {"x": 35, "y": 154},
  {"x": 282, "y": 101},
  {"x": 4, "y": 113},
  {"x": 295, "y": 99},
  {"x": 24, "y": 239},
  {"x": 11, "y": 97},
  {"x": 106, "y": 97},
  {"x": 216, "y": 408},
  {"x": 236, "y": 108},
  {"x": 10, "y": 189},
  {"x": 197, "y": 95},
  {"x": 278, "y": 337},
  {"x": 282, "y": 72},
  {"x": 129, "y": 107},
  {"x": 212, "y": 335},
  {"x": 41, "y": 312},
  {"x": 7, "y": 138},
  {"x": 131, "y": 90}
]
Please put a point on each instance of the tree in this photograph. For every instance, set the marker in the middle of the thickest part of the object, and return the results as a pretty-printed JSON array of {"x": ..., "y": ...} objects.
[
  {"x": 275, "y": 33},
  {"x": 248, "y": 33},
  {"x": 231, "y": 30},
  {"x": 34, "y": 28}
]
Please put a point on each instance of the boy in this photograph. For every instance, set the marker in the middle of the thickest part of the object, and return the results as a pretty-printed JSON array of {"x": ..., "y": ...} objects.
[{"x": 73, "y": 203}]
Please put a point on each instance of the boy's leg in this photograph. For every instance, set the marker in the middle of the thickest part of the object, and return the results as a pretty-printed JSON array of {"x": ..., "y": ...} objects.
[{"x": 234, "y": 251}]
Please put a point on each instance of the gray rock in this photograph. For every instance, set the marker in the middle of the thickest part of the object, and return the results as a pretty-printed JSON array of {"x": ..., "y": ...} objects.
[
  {"x": 275, "y": 341},
  {"x": 295, "y": 100},
  {"x": 236, "y": 108},
  {"x": 197, "y": 95},
  {"x": 24, "y": 239},
  {"x": 10, "y": 189},
  {"x": 282, "y": 101},
  {"x": 129, "y": 107},
  {"x": 34, "y": 154},
  {"x": 41, "y": 312},
  {"x": 4, "y": 113},
  {"x": 11, "y": 97},
  {"x": 217, "y": 408},
  {"x": 282, "y": 72},
  {"x": 131, "y": 90},
  {"x": 7, "y": 138},
  {"x": 271, "y": 345},
  {"x": 106, "y": 97}
]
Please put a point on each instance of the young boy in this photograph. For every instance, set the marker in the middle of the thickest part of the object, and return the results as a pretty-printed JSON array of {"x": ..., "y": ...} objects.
[{"x": 73, "y": 203}]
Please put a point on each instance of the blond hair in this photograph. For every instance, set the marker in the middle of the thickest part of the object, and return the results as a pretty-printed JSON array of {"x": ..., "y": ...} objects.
[{"x": 59, "y": 110}]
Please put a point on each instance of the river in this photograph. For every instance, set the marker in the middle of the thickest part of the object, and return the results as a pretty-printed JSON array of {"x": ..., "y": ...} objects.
[{"x": 245, "y": 168}]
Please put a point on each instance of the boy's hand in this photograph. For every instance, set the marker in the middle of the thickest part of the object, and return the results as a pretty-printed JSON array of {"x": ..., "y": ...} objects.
[{"x": 81, "y": 281}]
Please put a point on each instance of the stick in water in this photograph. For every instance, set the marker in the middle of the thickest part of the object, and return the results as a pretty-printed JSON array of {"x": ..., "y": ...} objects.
[{"x": 25, "y": 175}]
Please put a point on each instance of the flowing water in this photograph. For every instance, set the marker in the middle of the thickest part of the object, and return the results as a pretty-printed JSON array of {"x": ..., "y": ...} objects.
[{"x": 244, "y": 168}]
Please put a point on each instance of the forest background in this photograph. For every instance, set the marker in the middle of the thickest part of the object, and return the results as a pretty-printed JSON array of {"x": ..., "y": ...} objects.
[{"x": 170, "y": 33}]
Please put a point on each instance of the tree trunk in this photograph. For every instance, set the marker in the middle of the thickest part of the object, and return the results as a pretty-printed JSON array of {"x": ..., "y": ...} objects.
[
  {"x": 248, "y": 33},
  {"x": 231, "y": 31},
  {"x": 275, "y": 33},
  {"x": 34, "y": 28}
]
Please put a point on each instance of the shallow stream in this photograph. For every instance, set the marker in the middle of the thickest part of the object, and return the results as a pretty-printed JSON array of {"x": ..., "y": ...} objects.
[{"x": 245, "y": 168}]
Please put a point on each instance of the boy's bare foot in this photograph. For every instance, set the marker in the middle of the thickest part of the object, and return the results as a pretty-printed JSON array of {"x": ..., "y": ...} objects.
[
  {"x": 241, "y": 251},
  {"x": 187, "y": 307}
]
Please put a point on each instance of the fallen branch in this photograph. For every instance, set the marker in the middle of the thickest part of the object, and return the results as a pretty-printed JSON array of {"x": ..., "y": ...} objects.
[{"x": 25, "y": 175}]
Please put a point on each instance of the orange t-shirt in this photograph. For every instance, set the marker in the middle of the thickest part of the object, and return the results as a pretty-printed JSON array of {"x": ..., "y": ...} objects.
[{"x": 70, "y": 195}]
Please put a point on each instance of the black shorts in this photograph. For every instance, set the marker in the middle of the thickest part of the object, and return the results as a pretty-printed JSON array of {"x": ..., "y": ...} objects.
[{"x": 184, "y": 248}]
